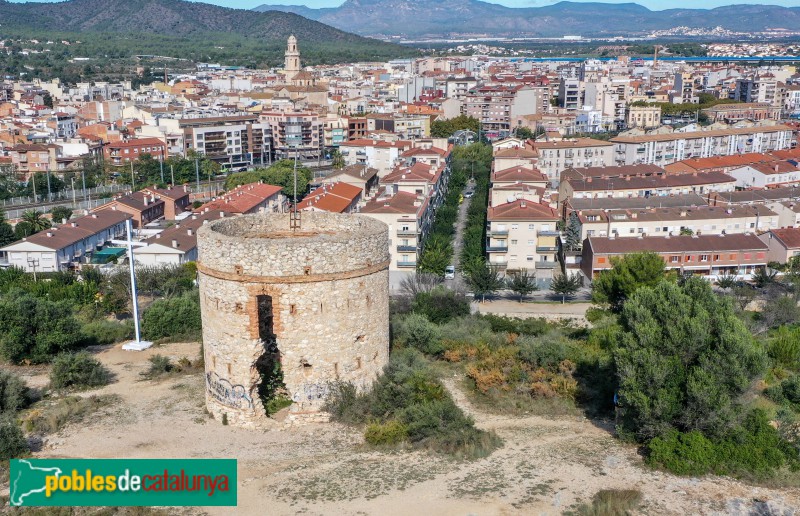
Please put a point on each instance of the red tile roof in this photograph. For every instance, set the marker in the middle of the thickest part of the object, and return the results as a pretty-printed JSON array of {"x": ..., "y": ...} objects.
[
  {"x": 335, "y": 198},
  {"x": 677, "y": 244},
  {"x": 789, "y": 237},
  {"x": 242, "y": 199},
  {"x": 519, "y": 174},
  {"x": 522, "y": 209}
]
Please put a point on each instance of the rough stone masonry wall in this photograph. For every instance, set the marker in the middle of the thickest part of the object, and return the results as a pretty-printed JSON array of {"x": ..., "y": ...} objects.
[{"x": 329, "y": 285}]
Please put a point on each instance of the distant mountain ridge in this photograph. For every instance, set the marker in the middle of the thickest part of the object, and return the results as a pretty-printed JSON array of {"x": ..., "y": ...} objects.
[{"x": 444, "y": 17}]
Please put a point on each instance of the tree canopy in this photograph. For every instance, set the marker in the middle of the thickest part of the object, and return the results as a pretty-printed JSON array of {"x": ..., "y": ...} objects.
[
  {"x": 682, "y": 361},
  {"x": 281, "y": 173},
  {"x": 446, "y": 128},
  {"x": 614, "y": 286}
]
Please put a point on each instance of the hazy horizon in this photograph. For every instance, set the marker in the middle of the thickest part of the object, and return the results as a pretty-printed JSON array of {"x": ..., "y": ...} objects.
[{"x": 654, "y": 5}]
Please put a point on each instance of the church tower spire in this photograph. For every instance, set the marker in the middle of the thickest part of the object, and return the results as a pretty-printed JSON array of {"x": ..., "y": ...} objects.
[{"x": 292, "y": 57}]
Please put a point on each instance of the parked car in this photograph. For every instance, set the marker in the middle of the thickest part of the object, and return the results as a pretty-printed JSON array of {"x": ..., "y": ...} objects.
[
  {"x": 449, "y": 272},
  {"x": 469, "y": 194}
]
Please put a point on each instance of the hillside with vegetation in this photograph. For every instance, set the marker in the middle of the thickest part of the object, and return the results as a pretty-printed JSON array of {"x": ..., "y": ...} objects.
[{"x": 198, "y": 32}]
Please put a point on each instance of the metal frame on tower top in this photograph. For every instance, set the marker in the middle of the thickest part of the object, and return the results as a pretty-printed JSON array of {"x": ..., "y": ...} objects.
[{"x": 294, "y": 215}]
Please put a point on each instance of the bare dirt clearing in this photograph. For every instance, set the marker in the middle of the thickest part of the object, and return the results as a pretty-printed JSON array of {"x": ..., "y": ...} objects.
[{"x": 546, "y": 465}]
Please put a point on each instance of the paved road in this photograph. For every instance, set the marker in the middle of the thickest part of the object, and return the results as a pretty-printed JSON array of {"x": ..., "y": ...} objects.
[
  {"x": 461, "y": 223},
  {"x": 556, "y": 310}
]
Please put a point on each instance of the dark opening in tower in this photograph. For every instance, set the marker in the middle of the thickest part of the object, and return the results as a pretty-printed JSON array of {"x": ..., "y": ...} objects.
[{"x": 271, "y": 389}]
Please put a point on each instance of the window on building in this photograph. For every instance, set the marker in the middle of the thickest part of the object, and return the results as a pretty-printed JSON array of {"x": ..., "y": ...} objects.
[
  {"x": 529, "y": 258},
  {"x": 601, "y": 260},
  {"x": 531, "y": 227},
  {"x": 514, "y": 226},
  {"x": 674, "y": 259},
  {"x": 512, "y": 258},
  {"x": 513, "y": 242},
  {"x": 531, "y": 242},
  {"x": 703, "y": 257},
  {"x": 748, "y": 256}
]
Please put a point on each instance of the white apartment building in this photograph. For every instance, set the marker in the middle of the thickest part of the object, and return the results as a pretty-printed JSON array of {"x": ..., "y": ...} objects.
[
  {"x": 557, "y": 156},
  {"x": 766, "y": 175},
  {"x": 700, "y": 220},
  {"x": 378, "y": 154},
  {"x": 522, "y": 235},
  {"x": 59, "y": 247},
  {"x": 662, "y": 149}
]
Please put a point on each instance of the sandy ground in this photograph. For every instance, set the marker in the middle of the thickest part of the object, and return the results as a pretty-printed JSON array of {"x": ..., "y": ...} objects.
[{"x": 546, "y": 465}]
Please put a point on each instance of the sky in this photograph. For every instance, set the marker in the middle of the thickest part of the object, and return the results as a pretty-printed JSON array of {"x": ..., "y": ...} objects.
[{"x": 650, "y": 4}]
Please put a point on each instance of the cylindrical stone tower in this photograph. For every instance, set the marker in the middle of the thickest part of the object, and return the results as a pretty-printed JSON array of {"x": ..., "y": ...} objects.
[{"x": 310, "y": 305}]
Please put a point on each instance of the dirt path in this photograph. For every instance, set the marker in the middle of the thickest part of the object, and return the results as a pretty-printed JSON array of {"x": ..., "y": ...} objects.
[{"x": 546, "y": 465}]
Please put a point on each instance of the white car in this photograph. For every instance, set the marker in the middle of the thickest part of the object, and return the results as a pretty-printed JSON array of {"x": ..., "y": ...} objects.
[{"x": 449, "y": 272}]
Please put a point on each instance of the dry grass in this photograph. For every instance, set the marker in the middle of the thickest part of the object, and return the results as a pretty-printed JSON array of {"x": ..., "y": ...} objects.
[
  {"x": 50, "y": 416},
  {"x": 612, "y": 502}
]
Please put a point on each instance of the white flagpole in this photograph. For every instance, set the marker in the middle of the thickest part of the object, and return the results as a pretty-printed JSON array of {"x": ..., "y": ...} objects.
[{"x": 128, "y": 231}]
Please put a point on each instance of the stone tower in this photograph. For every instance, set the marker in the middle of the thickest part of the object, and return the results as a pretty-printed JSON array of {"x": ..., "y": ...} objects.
[
  {"x": 292, "y": 58},
  {"x": 312, "y": 303}
]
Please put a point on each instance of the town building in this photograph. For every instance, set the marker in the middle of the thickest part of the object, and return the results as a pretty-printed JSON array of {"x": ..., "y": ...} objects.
[
  {"x": 522, "y": 235},
  {"x": 66, "y": 246},
  {"x": 143, "y": 207},
  {"x": 123, "y": 152},
  {"x": 697, "y": 220},
  {"x": 233, "y": 141},
  {"x": 662, "y": 149},
  {"x": 249, "y": 198},
  {"x": 783, "y": 244},
  {"x": 176, "y": 244},
  {"x": 378, "y": 154},
  {"x": 362, "y": 176},
  {"x": 706, "y": 255},
  {"x": 409, "y": 219},
  {"x": 766, "y": 175},
  {"x": 645, "y": 186},
  {"x": 557, "y": 156},
  {"x": 335, "y": 198}
]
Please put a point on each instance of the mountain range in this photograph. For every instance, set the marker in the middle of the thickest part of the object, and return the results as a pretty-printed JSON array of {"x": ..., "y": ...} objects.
[
  {"x": 198, "y": 22},
  {"x": 447, "y": 17}
]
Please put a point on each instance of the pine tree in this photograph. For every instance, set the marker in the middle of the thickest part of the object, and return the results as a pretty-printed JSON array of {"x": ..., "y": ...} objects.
[{"x": 572, "y": 233}]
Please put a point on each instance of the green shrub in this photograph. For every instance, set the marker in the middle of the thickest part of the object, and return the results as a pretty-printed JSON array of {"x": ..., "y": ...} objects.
[
  {"x": 753, "y": 448},
  {"x": 390, "y": 433},
  {"x": 159, "y": 366},
  {"x": 173, "y": 317},
  {"x": 409, "y": 393},
  {"x": 277, "y": 403},
  {"x": 529, "y": 326},
  {"x": 14, "y": 394},
  {"x": 788, "y": 392},
  {"x": 12, "y": 442},
  {"x": 682, "y": 453},
  {"x": 547, "y": 351},
  {"x": 784, "y": 347},
  {"x": 594, "y": 314},
  {"x": 36, "y": 329},
  {"x": 416, "y": 331},
  {"x": 102, "y": 332},
  {"x": 441, "y": 305},
  {"x": 346, "y": 405},
  {"x": 79, "y": 370}
]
